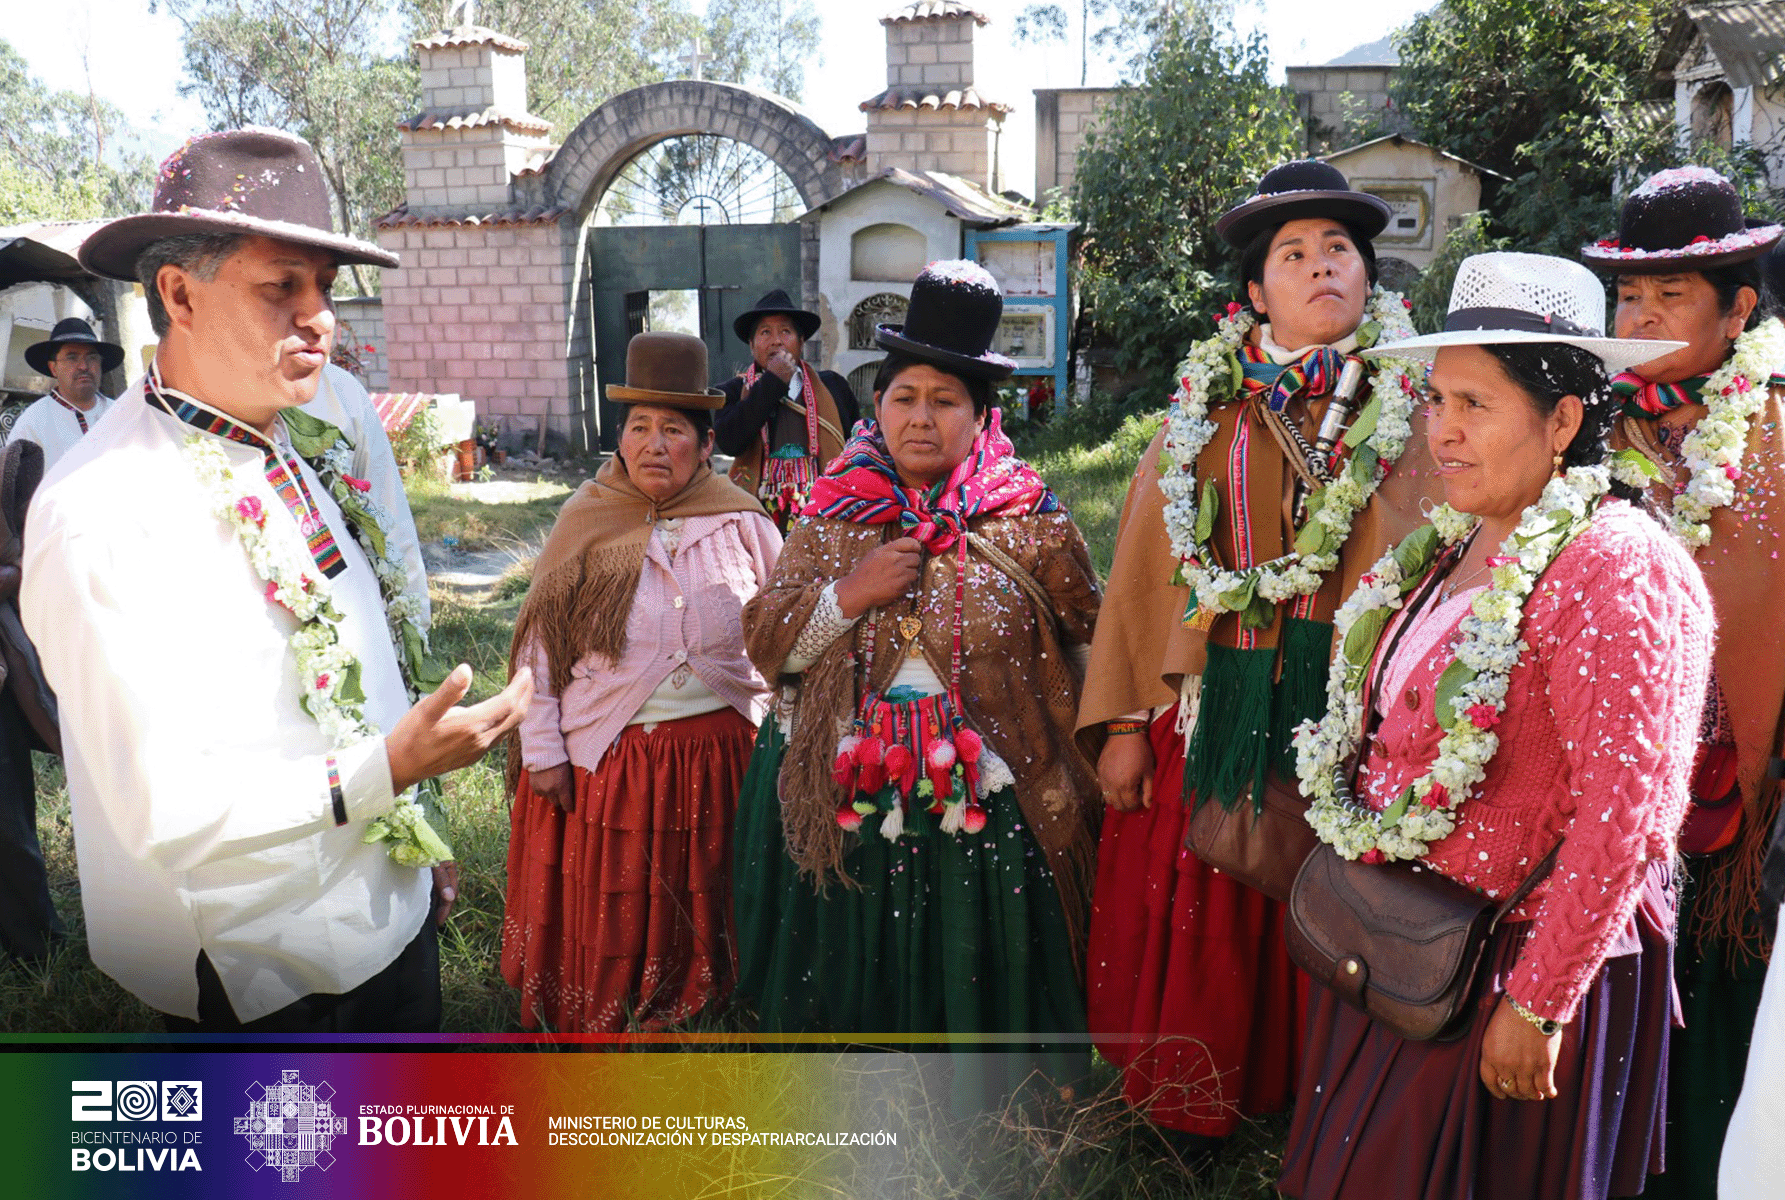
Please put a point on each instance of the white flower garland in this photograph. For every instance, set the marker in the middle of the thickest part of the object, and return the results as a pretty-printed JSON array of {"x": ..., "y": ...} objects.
[
  {"x": 328, "y": 673},
  {"x": 1712, "y": 452},
  {"x": 1210, "y": 374},
  {"x": 1470, "y": 695}
]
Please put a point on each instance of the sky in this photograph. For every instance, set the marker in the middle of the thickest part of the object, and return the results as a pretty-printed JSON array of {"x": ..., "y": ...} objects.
[{"x": 131, "y": 57}]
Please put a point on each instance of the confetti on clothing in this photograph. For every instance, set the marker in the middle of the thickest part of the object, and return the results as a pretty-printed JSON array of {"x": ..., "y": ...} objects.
[{"x": 286, "y": 480}]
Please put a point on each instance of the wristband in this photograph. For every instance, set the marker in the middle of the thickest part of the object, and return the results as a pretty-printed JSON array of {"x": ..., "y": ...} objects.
[
  {"x": 1545, "y": 1025},
  {"x": 1125, "y": 725}
]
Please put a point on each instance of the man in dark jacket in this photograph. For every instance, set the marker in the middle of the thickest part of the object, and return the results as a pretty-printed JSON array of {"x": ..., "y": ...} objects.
[{"x": 782, "y": 420}]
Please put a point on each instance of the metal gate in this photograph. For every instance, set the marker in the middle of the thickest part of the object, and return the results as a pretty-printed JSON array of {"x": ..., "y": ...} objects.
[{"x": 727, "y": 266}]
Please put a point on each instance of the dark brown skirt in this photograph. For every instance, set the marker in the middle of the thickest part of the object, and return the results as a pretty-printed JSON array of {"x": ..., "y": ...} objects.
[
  {"x": 1384, "y": 1118},
  {"x": 619, "y": 914}
]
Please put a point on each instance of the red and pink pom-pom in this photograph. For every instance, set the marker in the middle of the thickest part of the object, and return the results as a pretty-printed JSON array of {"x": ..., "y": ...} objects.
[
  {"x": 843, "y": 769},
  {"x": 939, "y": 765},
  {"x": 900, "y": 765},
  {"x": 848, "y": 818},
  {"x": 969, "y": 745},
  {"x": 871, "y": 764},
  {"x": 973, "y": 820}
]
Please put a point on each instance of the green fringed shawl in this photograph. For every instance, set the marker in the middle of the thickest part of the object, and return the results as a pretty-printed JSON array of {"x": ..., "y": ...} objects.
[{"x": 1249, "y": 710}]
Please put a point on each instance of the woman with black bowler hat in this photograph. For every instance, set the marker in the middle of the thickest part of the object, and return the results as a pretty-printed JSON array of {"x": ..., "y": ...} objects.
[
  {"x": 919, "y": 859},
  {"x": 1710, "y": 417}
]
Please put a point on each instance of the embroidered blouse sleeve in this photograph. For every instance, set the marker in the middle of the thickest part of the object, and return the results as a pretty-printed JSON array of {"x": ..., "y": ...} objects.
[
  {"x": 1625, "y": 640},
  {"x": 826, "y": 625}
]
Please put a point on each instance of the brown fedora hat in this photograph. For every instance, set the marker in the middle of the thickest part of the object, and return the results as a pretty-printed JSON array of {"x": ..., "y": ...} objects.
[
  {"x": 249, "y": 181},
  {"x": 668, "y": 369}
]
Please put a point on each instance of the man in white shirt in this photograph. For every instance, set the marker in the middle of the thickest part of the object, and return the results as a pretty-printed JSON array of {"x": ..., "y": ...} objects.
[
  {"x": 235, "y": 718},
  {"x": 75, "y": 358}
]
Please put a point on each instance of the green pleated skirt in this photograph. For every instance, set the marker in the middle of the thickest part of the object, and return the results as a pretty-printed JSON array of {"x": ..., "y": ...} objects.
[{"x": 947, "y": 933}]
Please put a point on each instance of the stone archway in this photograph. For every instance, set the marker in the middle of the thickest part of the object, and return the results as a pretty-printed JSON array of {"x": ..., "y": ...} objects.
[{"x": 611, "y": 136}]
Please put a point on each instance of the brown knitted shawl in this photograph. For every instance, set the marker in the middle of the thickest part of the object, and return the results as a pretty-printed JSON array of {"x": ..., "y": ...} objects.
[{"x": 1017, "y": 686}]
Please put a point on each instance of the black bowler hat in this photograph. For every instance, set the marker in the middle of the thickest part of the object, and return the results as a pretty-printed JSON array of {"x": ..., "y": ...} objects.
[
  {"x": 250, "y": 181},
  {"x": 775, "y": 303},
  {"x": 1298, "y": 190},
  {"x": 72, "y": 331},
  {"x": 1683, "y": 219},
  {"x": 954, "y": 313}
]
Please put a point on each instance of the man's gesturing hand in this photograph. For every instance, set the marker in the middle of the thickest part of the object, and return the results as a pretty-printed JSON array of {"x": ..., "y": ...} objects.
[{"x": 436, "y": 736}]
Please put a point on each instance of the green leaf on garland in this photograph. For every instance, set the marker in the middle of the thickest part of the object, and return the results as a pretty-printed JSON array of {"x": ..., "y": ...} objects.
[
  {"x": 1450, "y": 686},
  {"x": 1365, "y": 424},
  {"x": 1414, "y": 556},
  {"x": 1361, "y": 639},
  {"x": 350, "y": 689},
  {"x": 1391, "y": 816},
  {"x": 1637, "y": 461},
  {"x": 1240, "y": 598},
  {"x": 1368, "y": 334},
  {"x": 1362, "y": 465},
  {"x": 1258, "y": 613},
  {"x": 1205, "y": 512}
]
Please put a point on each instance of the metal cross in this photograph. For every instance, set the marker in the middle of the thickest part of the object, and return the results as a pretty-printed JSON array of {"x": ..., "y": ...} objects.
[{"x": 696, "y": 58}]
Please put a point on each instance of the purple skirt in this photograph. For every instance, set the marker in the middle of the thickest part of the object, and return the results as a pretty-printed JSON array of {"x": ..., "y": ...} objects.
[{"x": 1381, "y": 1117}]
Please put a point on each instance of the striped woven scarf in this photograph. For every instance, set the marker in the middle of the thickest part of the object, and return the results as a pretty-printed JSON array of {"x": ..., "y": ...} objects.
[
  {"x": 1641, "y": 398},
  {"x": 863, "y": 485},
  {"x": 286, "y": 480},
  {"x": 1313, "y": 374}
]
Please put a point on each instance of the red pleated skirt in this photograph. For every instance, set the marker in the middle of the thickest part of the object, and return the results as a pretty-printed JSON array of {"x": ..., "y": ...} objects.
[
  {"x": 619, "y": 914},
  {"x": 1190, "y": 990}
]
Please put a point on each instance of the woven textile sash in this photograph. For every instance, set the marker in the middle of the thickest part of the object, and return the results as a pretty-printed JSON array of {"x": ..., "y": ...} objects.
[
  {"x": 80, "y": 418},
  {"x": 287, "y": 481},
  {"x": 863, "y": 486},
  {"x": 1313, "y": 374},
  {"x": 1641, "y": 398}
]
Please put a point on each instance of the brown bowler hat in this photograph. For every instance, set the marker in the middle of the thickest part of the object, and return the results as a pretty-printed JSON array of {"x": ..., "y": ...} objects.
[
  {"x": 250, "y": 181},
  {"x": 668, "y": 369}
]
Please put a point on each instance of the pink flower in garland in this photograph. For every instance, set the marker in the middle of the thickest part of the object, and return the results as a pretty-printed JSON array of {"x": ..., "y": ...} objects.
[
  {"x": 1501, "y": 560},
  {"x": 1482, "y": 716},
  {"x": 272, "y": 593},
  {"x": 1374, "y": 857},
  {"x": 1733, "y": 472},
  {"x": 358, "y": 485},
  {"x": 1438, "y": 797},
  {"x": 322, "y": 682},
  {"x": 249, "y": 509}
]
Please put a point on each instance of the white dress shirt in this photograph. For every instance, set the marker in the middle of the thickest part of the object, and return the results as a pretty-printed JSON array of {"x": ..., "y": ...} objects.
[
  {"x": 52, "y": 425},
  {"x": 199, "y": 786},
  {"x": 343, "y": 403}
]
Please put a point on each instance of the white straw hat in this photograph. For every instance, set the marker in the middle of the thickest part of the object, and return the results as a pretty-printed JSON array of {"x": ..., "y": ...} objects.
[{"x": 1505, "y": 299}]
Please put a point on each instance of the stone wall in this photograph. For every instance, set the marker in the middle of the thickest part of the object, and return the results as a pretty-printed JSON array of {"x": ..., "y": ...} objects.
[
  {"x": 1327, "y": 97},
  {"x": 1063, "y": 116},
  {"x": 362, "y": 317},
  {"x": 934, "y": 53},
  {"x": 482, "y": 310},
  {"x": 957, "y": 141}
]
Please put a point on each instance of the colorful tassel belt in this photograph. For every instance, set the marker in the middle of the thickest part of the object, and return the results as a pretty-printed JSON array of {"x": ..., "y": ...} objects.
[
  {"x": 787, "y": 478},
  {"x": 902, "y": 748}
]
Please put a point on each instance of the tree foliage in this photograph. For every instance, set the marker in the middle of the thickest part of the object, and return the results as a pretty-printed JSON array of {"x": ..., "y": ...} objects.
[
  {"x": 1537, "y": 89},
  {"x": 765, "y": 43},
  {"x": 1167, "y": 158},
  {"x": 64, "y": 156}
]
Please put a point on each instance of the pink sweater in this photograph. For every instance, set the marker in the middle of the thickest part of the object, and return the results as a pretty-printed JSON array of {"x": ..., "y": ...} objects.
[
  {"x": 687, "y": 610},
  {"x": 1596, "y": 745}
]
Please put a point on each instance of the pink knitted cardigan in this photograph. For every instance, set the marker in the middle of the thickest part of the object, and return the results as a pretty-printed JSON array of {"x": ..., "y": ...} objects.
[{"x": 1596, "y": 745}]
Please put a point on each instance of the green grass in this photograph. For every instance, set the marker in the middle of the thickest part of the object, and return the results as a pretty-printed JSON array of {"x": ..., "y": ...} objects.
[{"x": 1082, "y": 1146}]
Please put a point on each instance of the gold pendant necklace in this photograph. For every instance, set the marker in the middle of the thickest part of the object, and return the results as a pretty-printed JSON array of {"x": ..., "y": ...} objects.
[{"x": 910, "y": 625}]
